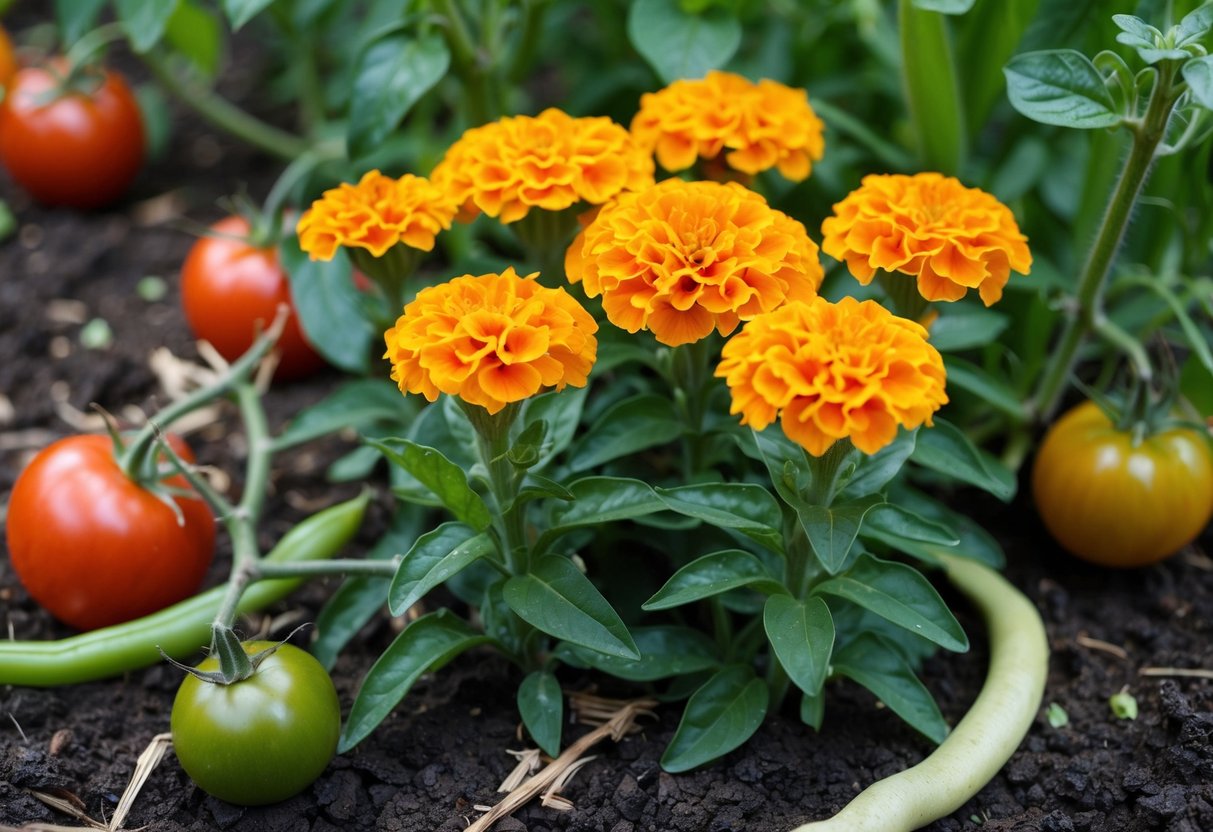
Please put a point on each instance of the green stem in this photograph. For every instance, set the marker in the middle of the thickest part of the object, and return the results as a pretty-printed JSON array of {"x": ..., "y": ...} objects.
[
  {"x": 826, "y": 470},
  {"x": 317, "y": 568},
  {"x": 722, "y": 627},
  {"x": 989, "y": 733},
  {"x": 902, "y": 290},
  {"x": 493, "y": 445},
  {"x": 224, "y": 114},
  {"x": 691, "y": 380},
  {"x": 1126, "y": 343},
  {"x": 527, "y": 40},
  {"x": 179, "y": 630},
  {"x": 466, "y": 62},
  {"x": 1086, "y": 307}
]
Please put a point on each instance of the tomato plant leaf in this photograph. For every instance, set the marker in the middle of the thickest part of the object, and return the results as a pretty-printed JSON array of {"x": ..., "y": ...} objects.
[
  {"x": 330, "y": 308},
  {"x": 240, "y": 12},
  {"x": 144, "y": 21},
  {"x": 1060, "y": 87},
  {"x": 75, "y": 17},
  {"x": 678, "y": 44},
  {"x": 802, "y": 635},
  {"x": 1198, "y": 72},
  {"x": 876, "y": 665},
  {"x": 558, "y": 599},
  {"x": 946, "y": 449},
  {"x": 433, "y": 559},
  {"x": 745, "y": 508},
  {"x": 425, "y": 645},
  {"x": 447, "y": 481},
  {"x": 541, "y": 705},
  {"x": 900, "y": 594},
  {"x": 358, "y": 598},
  {"x": 665, "y": 651},
  {"x": 602, "y": 500},
  {"x": 194, "y": 32},
  {"x": 711, "y": 575},
  {"x": 392, "y": 75},
  {"x": 626, "y": 427},
  {"x": 721, "y": 715}
]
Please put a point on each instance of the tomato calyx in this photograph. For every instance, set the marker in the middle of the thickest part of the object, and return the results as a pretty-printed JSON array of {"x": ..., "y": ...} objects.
[{"x": 235, "y": 665}]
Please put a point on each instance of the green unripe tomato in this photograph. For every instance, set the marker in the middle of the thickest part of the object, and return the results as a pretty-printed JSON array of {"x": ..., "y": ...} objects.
[{"x": 263, "y": 739}]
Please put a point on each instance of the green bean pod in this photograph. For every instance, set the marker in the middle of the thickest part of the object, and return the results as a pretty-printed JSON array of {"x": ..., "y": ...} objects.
[{"x": 179, "y": 630}]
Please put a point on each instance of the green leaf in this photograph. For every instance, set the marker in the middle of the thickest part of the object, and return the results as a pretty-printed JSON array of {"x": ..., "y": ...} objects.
[
  {"x": 1198, "y": 72},
  {"x": 561, "y": 410},
  {"x": 741, "y": 507},
  {"x": 240, "y": 12},
  {"x": 524, "y": 451},
  {"x": 711, "y": 575},
  {"x": 359, "y": 404},
  {"x": 832, "y": 531},
  {"x": 435, "y": 558},
  {"x": 985, "y": 39},
  {"x": 945, "y": 448},
  {"x": 1195, "y": 25},
  {"x": 556, "y": 598},
  {"x": 600, "y": 500},
  {"x": 873, "y": 472},
  {"x": 75, "y": 17},
  {"x": 330, "y": 308},
  {"x": 626, "y": 427},
  {"x": 681, "y": 45},
  {"x": 878, "y": 666},
  {"x": 665, "y": 651},
  {"x": 536, "y": 487},
  {"x": 720, "y": 716},
  {"x": 975, "y": 542},
  {"x": 932, "y": 92},
  {"x": 894, "y": 524},
  {"x": 358, "y": 599},
  {"x": 444, "y": 478},
  {"x": 425, "y": 645},
  {"x": 1136, "y": 32},
  {"x": 900, "y": 594},
  {"x": 1060, "y": 87},
  {"x": 392, "y": 75},
  {"x": 987, "y": 387},
  {"x": 944, "y": 6},
  {"x": 144, "y": 21},
  {"x": 1196, "y": 385},
  {"x": 802, "y": 635},
  {"x": 963, "y": 327},
  {"x": 541, "y": 705},
  {"x": 194, "y": 32},
  {"x": 813, "y": 710},
  {"x": 8, "y": 221}
]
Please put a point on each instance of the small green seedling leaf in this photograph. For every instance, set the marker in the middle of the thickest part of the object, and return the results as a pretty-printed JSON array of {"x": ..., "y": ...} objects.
[
  {"x": 151, "y": 288},
  {"x": 541, "y": 705},
  {"x": 1057, "y": 716},
  {"x": 96, "y": 335},
  {"x": 1124, "y": 705}
]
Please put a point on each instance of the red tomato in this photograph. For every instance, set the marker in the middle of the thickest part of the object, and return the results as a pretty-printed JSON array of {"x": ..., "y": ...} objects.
[
  {"x": 96, "y": 548},
  {"x": 80, "y": 149},
  {"x": 231, "y": 290},
  {"x": 8, "y": 60}
]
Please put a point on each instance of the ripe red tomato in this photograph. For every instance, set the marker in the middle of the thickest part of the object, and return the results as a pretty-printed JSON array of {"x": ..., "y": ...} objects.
[
  {"x": 96, "y": 548},
  {"x": 1115, "y": 502},
  {"x": 8, "y": 60},
  {"x": 82, "y": 149},
  {"x": 230, "y": 289}
]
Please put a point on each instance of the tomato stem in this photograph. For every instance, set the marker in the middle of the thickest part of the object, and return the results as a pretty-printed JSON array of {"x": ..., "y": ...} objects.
[{"x": 1086, "y": 311}]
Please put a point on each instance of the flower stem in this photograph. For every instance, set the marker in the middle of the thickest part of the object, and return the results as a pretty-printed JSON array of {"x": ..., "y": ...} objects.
[
  {"x": 1085, "y": 312},
  {"x": 826, "y": 470},
  {"x": 467, "y": 63},
  {"x": 224, "y": 114},
  {"x": 989, "y": 733},
  {"x": 493, "y": 445}
]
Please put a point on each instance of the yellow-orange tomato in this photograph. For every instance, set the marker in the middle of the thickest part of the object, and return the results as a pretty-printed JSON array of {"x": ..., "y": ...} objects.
[
  {"x": 8, "y": 60},
  {"x": 1117, "y": 503}
]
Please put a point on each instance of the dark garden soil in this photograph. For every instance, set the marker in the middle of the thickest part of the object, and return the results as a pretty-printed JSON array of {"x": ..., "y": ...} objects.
[{"x": 443, "y": 751}]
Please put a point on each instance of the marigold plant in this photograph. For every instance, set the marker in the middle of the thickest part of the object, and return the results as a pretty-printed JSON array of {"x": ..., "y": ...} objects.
[
  {"x": 551, "y": 161},
  {"x": 376, "y": 214},
  {"x": 684, "y": 258},
  {"x": 491, "y": 340},
  {"x": 834, "y": 370},
  {"x": 760, "y": 125},
  {"x": 951, "y": 238}
]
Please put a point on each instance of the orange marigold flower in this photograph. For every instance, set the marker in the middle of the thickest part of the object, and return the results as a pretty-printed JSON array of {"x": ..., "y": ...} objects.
[
  {"x": 833, "y": 370},
  {"x": 491, "y": 340},
  {"x": 684, "y": 258},
  {"x": 761, "y": 125},
  {"x": 950, "y": 237},
  {"x": 375, "y": 215},
  {"x": 551, "y": 161}
]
